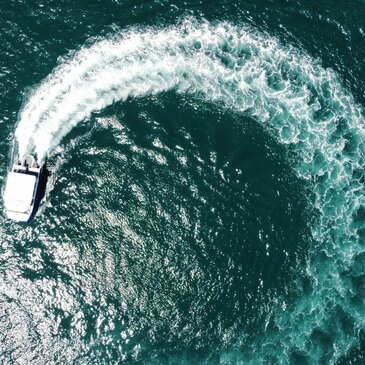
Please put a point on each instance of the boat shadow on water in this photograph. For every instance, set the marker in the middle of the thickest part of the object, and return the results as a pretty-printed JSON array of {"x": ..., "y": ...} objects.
[{"x": 41, "y": 192}]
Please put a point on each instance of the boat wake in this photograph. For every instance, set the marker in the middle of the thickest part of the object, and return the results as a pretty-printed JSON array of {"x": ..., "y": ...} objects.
[{"x": 300, "y": 102}]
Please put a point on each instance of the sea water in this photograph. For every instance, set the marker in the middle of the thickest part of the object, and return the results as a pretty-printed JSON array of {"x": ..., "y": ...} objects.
[{"x": 205, "y": 200}]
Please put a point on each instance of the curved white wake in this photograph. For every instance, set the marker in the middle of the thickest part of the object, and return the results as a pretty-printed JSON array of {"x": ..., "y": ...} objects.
[
  {"x": 302, "y": 103},
  {"x": 222, "y": 63}
]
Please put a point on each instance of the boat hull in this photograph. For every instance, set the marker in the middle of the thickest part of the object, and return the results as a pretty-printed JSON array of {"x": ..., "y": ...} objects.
[{"x": 24, "y": 190}]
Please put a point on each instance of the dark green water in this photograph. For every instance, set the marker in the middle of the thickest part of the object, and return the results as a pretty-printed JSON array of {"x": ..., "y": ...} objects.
[{"x": 205, "y": 203}]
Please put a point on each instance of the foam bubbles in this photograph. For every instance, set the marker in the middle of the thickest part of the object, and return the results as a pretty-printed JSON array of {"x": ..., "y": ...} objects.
[{"x": 303, "y": 105}]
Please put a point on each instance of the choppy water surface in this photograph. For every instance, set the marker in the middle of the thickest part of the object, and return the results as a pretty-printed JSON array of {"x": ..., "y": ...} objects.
[{"x": 206, "y": 194}]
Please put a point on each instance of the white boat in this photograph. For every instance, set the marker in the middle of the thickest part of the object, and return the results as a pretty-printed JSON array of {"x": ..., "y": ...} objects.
[{"x": 21, "y": 195}]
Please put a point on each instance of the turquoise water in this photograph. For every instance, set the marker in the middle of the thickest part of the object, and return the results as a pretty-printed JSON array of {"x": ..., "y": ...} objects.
[{"x": 205, "y": 203}]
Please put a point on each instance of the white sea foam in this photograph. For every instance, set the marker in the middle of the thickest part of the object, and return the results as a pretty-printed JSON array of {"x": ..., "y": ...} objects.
[{"x": 302, "y": 104}]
